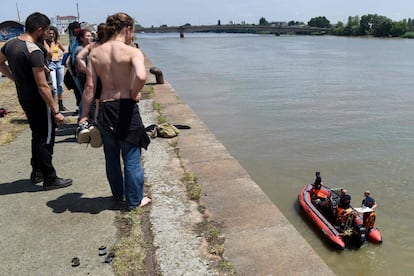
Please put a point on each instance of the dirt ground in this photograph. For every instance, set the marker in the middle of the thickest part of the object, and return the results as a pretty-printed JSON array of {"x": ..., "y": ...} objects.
[{"x": 15, "y": 121}]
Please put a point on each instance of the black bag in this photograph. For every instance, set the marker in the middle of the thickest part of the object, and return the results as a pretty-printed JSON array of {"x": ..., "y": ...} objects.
[{"x": 68, "y": 80}]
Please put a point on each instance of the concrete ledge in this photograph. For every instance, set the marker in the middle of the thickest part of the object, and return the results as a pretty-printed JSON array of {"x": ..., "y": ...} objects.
[{"x": 259, "y": 238}]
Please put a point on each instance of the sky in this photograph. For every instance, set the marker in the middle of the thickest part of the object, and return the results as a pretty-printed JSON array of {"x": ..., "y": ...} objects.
[{"x": 208, "y": 12}]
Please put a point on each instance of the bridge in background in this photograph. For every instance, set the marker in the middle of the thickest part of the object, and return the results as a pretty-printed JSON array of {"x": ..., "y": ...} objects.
[{"x": 235, "y": 28}]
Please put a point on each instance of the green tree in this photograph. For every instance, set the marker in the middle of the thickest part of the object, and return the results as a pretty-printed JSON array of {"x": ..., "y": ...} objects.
[
  {"x": 382, "y": 27},
  {"x": 410, "y": 23},
  {"x": 339, "y": 29},
  {"x": 352, "y": 28},
  {"x": 294, "y": 23},
  {"x": 263, "y": 21},
  {"x": 399, "y": 28},
  {"x": 376, "y": 25},
  {"x": 366, "y": 23},
  {"x": 320, "y": 21}
]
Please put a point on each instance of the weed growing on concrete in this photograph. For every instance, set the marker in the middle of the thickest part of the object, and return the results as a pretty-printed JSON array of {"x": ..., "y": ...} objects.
[
  {"x": 202, "y": 209},
  {"x": 174, "y": 144},
  {"x": 215, "y": 246},
  {"x": 162, "y": 119},
  {"x": 195, "y": 191},
  {"x": 225, "y": 267},
  {"x": 156, "y": 106},
  {"x": 193, "y": 188},
  {"x": 130, "y": 248},
  {"x": 189, "y": 177},
  {"x": 147, "y": 92},
  {"x": 213, "y": 237}
]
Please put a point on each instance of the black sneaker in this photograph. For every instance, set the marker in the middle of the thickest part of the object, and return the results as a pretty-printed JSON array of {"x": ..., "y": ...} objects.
[
  {"x": 36, "y": 176},
  {"x": 62, "y": 108},
  {"x": 56, "y": 183}
]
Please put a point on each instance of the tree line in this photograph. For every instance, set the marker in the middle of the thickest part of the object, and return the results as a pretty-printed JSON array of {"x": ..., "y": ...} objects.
[{"x": 370, "y": 24}]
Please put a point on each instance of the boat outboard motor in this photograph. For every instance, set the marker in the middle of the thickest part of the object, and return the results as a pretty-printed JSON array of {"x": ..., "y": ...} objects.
[
  {"x": 334, "y": 206},
  {"x": 361, "y": 232}
]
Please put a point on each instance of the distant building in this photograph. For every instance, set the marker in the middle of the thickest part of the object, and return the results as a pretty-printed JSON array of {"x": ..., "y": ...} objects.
[
  {"x": 62, "y": 22},
  {"x": 279, "y": 23},
  {"x": 10, "y": 29}
]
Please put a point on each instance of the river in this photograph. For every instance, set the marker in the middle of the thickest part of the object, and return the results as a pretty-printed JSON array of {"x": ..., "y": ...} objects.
[{"x": 287, "y": 106}]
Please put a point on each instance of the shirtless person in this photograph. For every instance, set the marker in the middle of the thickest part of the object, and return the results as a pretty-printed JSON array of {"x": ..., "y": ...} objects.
[{"x": 122, "y": 72}]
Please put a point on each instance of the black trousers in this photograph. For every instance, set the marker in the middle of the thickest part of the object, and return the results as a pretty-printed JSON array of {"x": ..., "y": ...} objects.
[{"x": 42, "y": 125}]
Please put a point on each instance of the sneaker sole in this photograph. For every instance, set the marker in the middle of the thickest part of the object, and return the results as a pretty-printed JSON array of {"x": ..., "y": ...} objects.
[
  {"x": 84, "y": 136},
  {"x": 37, "y": 180},
  {"x": 96, "y": 140}
]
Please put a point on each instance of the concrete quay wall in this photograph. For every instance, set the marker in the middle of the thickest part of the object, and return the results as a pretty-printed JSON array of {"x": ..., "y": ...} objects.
[{"x": 259, "y": 240}]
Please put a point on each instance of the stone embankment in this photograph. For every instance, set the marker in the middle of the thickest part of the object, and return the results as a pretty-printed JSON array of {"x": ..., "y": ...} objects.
[{"x": 258, "y": 239}]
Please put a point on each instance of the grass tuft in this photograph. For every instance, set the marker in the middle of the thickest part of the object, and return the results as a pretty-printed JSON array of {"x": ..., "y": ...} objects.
[
  {"x": 130, "y": 248},
  {"x": 193, "y": 188}
]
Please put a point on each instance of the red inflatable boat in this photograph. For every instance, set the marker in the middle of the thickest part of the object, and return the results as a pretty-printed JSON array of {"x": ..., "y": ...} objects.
[{"x": 352, "y": 226}]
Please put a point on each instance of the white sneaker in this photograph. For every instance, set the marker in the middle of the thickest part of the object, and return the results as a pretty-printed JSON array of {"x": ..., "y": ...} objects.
[
  {"x": 95, "y": 136},
  {"x": 83, "y": 133}
]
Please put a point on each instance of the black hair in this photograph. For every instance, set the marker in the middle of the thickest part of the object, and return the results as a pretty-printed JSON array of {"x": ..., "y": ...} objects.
[
  {"x": 36, "y": 20},
  {"x": 101, "y": 32}
]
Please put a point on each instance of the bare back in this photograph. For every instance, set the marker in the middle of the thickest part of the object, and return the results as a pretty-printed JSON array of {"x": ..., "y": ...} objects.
[{"x": 120, "y": 68}]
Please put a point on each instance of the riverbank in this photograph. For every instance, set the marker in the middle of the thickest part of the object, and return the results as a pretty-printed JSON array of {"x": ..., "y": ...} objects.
[
  {"x": 47, "y": 229},
  {"x": 258, "y": 239}
]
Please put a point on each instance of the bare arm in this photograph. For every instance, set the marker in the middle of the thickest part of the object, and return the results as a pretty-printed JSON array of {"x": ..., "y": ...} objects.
[
  {"x": 80, "y": 59},
  {"x": 61, "y": 47},
  {"x": 4, "y": 68},
  {"x": 140, "y": 75},
  {"x": 89, "y": 91},
  {"x": 44, "y": 90}
]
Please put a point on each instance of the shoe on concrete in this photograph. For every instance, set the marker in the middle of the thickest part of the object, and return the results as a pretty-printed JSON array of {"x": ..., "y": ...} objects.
[
  {"x": 96, "y": 140},
  {"x": 36, "y": 176},
  {"x": 83, "y": 133},
  {"x": 62, "y": 108},
  {"x": 56, "y": 183}
]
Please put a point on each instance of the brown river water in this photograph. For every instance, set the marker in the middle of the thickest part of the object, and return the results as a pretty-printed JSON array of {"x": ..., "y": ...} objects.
[{"x": 288, "y": 106}]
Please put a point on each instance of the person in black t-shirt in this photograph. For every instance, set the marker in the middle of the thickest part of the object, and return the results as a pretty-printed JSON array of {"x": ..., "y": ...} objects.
[
  {"x": 23, "y": 61},
  {"x": 318, "y": 181},
  {"x": 345, "y": 200}
]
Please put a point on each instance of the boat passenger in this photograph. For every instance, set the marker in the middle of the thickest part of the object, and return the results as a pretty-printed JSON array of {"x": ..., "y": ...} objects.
[
  {"x": 318, "y": 181},
  {"x": 344, "y": 206},
  {"x": 345, "y": 200},
  {"x": 369, "y": 217},
  {"x": 368, "y": 201}
]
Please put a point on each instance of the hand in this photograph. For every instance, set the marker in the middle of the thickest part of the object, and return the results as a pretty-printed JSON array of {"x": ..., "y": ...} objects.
[
  {"x": 83, "y": 119},
  {"x": 59, "y": 118}
]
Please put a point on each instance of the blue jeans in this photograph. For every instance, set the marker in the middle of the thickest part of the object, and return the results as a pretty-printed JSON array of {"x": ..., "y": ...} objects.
[
  {"x": 80, "y": 89},
  {"x": 57, "y": 73},
  {"x": 131, "y": 182}
]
